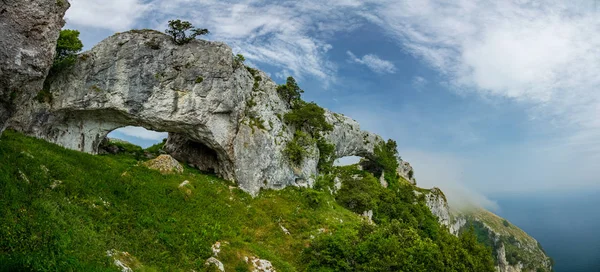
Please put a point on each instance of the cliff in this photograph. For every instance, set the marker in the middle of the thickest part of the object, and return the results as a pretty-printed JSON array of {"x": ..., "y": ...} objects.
[
  {"x": 28, "y": 34},
  {"x": 513, "y": 249}
]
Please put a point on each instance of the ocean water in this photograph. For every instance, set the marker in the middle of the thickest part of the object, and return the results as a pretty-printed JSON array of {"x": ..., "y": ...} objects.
[{"x": 567, "y": 225}]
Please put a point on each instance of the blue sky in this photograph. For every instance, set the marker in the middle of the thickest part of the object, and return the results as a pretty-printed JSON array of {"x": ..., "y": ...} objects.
[{"x": 483, "y": 97}]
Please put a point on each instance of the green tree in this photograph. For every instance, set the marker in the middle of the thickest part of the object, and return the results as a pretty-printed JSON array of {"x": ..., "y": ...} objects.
[
  {"x": 290, "y": 91},
  {"x": 179, "y": 31},
  {"x": 67, "y": 47}
]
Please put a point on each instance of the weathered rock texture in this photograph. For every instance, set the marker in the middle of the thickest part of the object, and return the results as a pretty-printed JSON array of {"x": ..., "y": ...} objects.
[
  {"x": 28, "y": 34},
  {"x": 221, "y": 116},
  {"x": 165, "y": 164},
  {"x": 526, "y": 254},
  {"x": 406, "y": 171},
  {"x": 437, "y": 203}
]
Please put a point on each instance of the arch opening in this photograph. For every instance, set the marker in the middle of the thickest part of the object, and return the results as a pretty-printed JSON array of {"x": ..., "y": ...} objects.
[
  {"x": 347, "y": 160},
  {"x": 139, "y": 136},
  {"x": 151, "y": 143}
]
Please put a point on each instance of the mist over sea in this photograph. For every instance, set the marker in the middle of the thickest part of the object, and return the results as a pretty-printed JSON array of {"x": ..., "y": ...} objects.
[{"x": 567, "y": 224}]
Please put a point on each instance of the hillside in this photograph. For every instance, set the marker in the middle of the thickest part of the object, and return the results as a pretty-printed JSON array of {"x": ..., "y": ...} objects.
[
  {"x": 513, "y": 249},
  {"x": 66, "y": 210}
]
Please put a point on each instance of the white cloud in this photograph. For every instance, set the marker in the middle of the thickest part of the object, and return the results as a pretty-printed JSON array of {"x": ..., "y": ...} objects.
[
  {"x": 291, "y": 35},
  {"x": 116, "y": 15},
  {"x": 544, "y": 53},
  {"x": 142, "y": 133},
  {"x": 374, "y": 63},
  {"x": 419, "y": 82}
]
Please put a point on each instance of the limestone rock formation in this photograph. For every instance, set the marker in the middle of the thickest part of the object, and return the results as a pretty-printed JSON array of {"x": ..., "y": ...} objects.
[
  {"x": 220, "y": 115},
  {"x": 28, "y": 34},
  {"x": 437, "y": 203},
  {"x": 514, "y": 250},
  {"x": 406, "y": 171}
]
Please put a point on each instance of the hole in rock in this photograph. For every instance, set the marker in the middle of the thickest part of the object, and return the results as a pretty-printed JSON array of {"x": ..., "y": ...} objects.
[
  {"x": 138, "y": 136},
  {"x": 348, "y": 160},
  {"x": 147, "y": 143},
  {"x": 137, "y": 141}
]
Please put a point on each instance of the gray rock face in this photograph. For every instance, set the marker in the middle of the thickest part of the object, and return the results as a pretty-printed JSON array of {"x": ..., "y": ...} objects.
[
  {"x": 28, "y": 34},
  {"x": 436, "y": 201},
  {"x": 406, "y": 171},
  {"x": 219, "y": 115}
]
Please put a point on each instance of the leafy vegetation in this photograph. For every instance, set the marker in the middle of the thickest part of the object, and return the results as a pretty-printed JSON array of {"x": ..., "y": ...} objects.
[
  {"x": 184, "y": 32},
  {"x": 103, "y": 202},
  {"x": 308, "y": 119},
  {"x": 406, "y": 237},
  {"x": 67, "y": 47},
  {"x": 63, "y": 210},
  {"x": 519, "y": 247},
  {"x": 297, "y": 149},
  {"x": 290, "y": 91}
]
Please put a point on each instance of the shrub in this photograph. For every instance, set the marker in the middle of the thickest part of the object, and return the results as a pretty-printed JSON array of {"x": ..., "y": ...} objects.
[
  {"x": 308, "y": 116},
  {"x": 178, "y": 30},
  {"x": 296, "y": 149},
  {"x": 394, "y": 247},
  {"x": 326, "y": 155},
  {"x": 67, "y": 47},
  {"x": 358, "y": 194}
]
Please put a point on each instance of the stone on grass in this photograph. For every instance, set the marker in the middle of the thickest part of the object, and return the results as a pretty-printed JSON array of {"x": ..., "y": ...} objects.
[{"x": 165, "y": 164}]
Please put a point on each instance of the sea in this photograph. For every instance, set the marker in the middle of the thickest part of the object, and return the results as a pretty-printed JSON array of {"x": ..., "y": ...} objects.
[{"x": 567, "y": 224}]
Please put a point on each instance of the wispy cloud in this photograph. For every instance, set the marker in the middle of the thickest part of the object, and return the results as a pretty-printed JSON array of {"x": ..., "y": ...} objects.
[
  {"x": 291, "y": 35},
  {"x": 545, "y": 53},
  {"x": 116, "y": 15},
  {"x": 374, "y": 63}
]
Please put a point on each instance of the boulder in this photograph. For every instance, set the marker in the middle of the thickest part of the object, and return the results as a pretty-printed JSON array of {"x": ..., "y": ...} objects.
[{"x": 165, "y": 164}]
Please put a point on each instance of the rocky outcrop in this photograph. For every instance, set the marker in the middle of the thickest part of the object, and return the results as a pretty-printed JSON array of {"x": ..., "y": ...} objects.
[
  {"x": 221, "y": 116},
  {"x": 436, "y": 201},
  {"x": 406, "y": 171},
  {"x": 513, "y": 249},
  {"x": 28, "y": 34}
]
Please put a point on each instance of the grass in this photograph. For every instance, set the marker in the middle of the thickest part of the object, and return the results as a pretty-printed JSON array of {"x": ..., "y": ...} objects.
[{"x": 62, "y": 210}]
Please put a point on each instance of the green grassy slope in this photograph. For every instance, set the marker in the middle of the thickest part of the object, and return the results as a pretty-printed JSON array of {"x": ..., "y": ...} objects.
[
  {"x": 109, "y": 202},
  {"x": 62, "y": 210}
]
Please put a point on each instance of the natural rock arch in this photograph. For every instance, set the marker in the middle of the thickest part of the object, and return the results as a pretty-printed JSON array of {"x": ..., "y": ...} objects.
[{"x": 209, "y": 103}]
